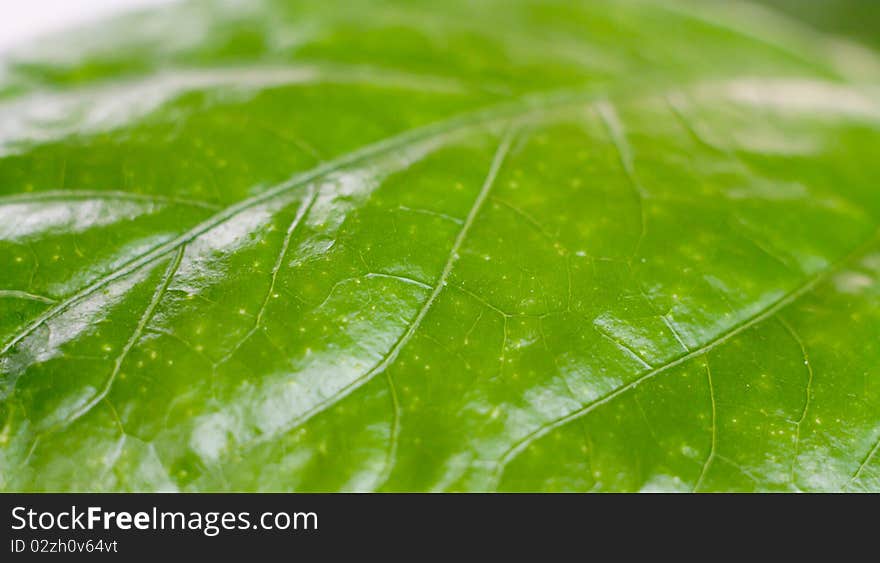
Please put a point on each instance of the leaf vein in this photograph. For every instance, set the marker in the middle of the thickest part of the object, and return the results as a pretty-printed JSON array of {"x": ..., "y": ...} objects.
[
  {"x": 461, "y": 123},
  {"x": 614, "y": 126},
  {"x": 301, "y": 213},
  {"x": 519, "y": 446},
  {"x": 712, "y": 448},
  {"x": 132, "y": 340},
  {"x": 808, "y": 392},
  {"x": 389, "y": 357}
]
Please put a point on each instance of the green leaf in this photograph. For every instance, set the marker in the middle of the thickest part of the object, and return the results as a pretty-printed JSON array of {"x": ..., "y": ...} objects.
[{"x": 608, "y": 246}]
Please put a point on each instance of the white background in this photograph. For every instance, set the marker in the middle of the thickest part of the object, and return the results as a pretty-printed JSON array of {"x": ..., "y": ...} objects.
[{"x": 22, "y": 20}]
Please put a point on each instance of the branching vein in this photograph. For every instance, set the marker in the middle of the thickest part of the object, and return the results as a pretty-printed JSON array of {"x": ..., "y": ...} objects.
[
  {"x": 26, "y": 295},
  {"x": 78, "y": 195},
  {"x": 133, "y": 339},
  {"x": 618, "y": 138},
  {"x": 522, "y": 444},
  {"x": 711, "y": 457},
  {"x": 392, "y": 354},
  {"x": 808, "y": 392},
  {"x": 867, "y": 459},
  {"x": 279, "y": 262},
  {"x": 453, "y": 126}
]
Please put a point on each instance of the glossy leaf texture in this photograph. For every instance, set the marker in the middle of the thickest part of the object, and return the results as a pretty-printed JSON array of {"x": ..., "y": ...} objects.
[{"x": 521, "y": 246}]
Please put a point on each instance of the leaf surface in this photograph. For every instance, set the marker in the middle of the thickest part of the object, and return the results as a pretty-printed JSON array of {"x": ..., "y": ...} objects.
[{"x": 608, "y": 246}]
